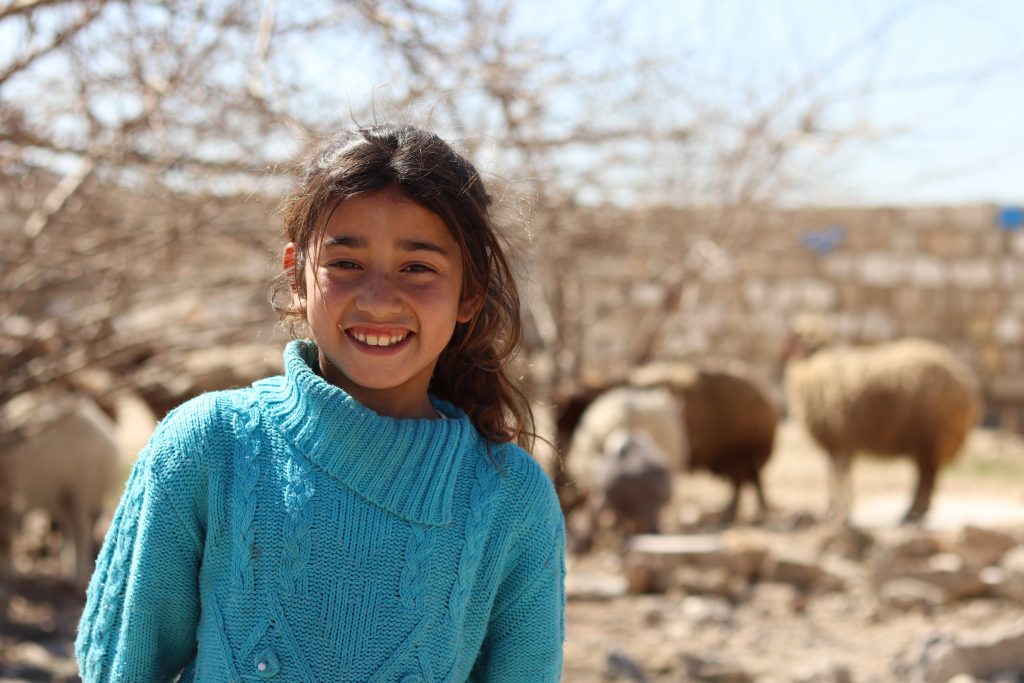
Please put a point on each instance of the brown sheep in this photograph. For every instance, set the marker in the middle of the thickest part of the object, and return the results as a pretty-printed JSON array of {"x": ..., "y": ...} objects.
[
  {"x": 910, "y": 397},
  {"x": 728, "y": 424}
]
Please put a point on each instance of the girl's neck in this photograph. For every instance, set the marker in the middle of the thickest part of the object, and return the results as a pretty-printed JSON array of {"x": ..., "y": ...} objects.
[{"x": 386, "y": 402}]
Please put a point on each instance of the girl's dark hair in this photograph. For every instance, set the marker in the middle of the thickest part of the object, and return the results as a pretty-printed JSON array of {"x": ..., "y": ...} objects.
[{"x": 473, "y": 371}]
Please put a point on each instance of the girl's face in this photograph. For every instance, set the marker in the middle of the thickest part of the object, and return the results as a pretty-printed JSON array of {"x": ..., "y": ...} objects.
[{"x": 382, "y": 297}]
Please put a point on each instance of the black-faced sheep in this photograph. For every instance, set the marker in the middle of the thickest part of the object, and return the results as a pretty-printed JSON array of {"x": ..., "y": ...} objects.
[
  {"x": 64, "y": 460},
  {"x": 633, "y": 482},
  {"x": 701, "y": 419},
  {"x": 598, "y": 413},
  {"x": 910, "y": 397}
]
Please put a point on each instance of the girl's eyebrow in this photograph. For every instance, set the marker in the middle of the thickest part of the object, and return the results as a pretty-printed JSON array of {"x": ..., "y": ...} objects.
[
  {"x": 345, "y": 241},
  {"x": 353, "y": 242},
  {"x": 421, "y": 245}
]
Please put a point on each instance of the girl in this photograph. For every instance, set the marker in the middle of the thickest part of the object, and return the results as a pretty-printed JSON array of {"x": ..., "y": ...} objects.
[{"x": 366, "y": 516}]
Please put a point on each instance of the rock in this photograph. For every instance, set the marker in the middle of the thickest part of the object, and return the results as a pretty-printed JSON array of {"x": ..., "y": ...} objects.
[
  {"x": 1005, "y": 677},
  {"x": 714, "y": 581},
  {"x": 981, "y": 654},
  {"x": 947, "y": 571},
  {"x": 848, "y": 542},
  {"x": 830, "y": 673},
  {"x": 982, "y": 547},
  {"x": 594, "y": 585},
  {"x": 621, "y": 666},
  {"x": 714, "y": 671},
  {"x": 705, "y": 610},
  {"x": 644, "y": 575},
  {"x": 650, "y": 559},
  {"x": 904, "y": 551},
  {"x": 907, "y": 593},
  {"x": 1012, "y": 566},
  {"x": 803, "y": 574},
  {"x": 689, "y": 547}
]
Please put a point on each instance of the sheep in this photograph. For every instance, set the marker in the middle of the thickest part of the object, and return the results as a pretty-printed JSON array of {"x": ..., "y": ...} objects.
[
  {"x": 593, "y": 415},
  {"x": 716, "y": 420},
  {"x": 633, "y": 481},
  {"x": 65, "y": 461},
  {"x": 909, "y": 397},
  {"x": 729, "y": 419}
]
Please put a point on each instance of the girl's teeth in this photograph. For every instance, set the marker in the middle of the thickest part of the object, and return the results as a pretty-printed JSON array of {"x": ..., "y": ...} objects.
[{"x": 374, "y": 340}]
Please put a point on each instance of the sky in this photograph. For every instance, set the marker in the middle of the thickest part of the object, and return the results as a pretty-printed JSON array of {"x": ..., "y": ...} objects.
[
  {"x": 930, "y": 92},
  {"x": 934, "y": 88}
]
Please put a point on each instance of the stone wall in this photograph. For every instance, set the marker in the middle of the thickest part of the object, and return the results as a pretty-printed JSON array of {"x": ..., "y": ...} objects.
[{"x": 952, "y": 274}]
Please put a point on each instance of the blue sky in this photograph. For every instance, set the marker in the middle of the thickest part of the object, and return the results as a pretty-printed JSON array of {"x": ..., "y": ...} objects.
[
  {"x": 938, "y": 86},
  {"x": 935, "y": 89},
  {"x": 932, "y": 90}
]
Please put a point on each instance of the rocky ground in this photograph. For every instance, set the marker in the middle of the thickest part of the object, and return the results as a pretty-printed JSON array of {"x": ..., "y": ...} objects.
[
  {"x": 816, "y": 605},
  {"x": 790, "y": 600}
]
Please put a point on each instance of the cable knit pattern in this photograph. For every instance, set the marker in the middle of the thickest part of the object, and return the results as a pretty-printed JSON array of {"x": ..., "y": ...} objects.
[
  {"x": 480, "y": 502},
  {"x": 243, "y": 495},
  {"x": 298, "y": 519},
  {"x": 417, "y": 558},
  {"x": 285, "y": 532}
]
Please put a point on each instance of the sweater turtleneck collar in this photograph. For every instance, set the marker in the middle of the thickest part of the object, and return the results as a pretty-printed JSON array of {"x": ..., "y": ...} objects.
[{"x": 406, "y": 466}]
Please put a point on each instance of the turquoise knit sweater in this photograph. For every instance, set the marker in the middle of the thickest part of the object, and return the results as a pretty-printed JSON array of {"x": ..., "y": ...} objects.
[{"x": 284, "y": 532}]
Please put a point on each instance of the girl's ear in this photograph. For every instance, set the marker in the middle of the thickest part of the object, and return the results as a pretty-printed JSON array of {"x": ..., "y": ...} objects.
[
  {"x": 468, "y": 308},
  {"x": 290, "y": 263}
]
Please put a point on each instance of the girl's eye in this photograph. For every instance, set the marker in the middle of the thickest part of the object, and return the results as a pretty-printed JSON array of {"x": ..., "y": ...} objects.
[
  {"x": 343, "y": 265},
  {"x": 418, "y": 268}
]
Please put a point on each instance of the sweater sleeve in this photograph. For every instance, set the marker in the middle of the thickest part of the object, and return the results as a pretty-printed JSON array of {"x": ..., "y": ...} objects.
[
  {"x": 142, "y": 605},
  {"x": 527, "y": 627}
]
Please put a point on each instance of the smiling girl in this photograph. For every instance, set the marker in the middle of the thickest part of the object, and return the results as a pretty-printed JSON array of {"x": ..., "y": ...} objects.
[{"x": 366, "y": 516}]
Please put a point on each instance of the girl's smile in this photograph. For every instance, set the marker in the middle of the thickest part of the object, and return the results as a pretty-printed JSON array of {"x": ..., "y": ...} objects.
[{"x": 382, "y": 295}]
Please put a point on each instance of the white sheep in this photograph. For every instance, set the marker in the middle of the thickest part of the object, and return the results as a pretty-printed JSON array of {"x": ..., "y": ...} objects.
[
  {"x": 653, "y": 410},
  {"x": 634, "y": 484},
  {"x": 909, "y": 397},
  {"x": 65, "y": 462}
]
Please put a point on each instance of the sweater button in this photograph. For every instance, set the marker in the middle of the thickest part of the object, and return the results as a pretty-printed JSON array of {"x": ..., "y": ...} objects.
[{"x": 266, "y": 664}]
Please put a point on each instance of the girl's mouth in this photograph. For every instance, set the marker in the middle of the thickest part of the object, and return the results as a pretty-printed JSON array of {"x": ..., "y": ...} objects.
[{"x": 379, "y": 340}]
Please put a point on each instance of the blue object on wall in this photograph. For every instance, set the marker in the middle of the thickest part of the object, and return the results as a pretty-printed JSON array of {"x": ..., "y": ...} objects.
[
  {"x": 1010, "y": 218},
  {"x": 825, "y": 240}
]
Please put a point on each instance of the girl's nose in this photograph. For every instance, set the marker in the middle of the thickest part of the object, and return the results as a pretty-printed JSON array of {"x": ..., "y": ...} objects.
[{"x": 378, "y": 296}]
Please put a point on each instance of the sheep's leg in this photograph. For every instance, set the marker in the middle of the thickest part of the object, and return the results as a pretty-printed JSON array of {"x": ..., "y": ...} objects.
[
  {"x": 927, "y": 472},
  {"x": 762, "y": 501},
  {"x": 728, "y": 515},
  {"x": 76, "y": 544},
  {"x": 590, "y": 522},
  {"x": 839, "y": 508},
  {"x": 5, "y": 568}
]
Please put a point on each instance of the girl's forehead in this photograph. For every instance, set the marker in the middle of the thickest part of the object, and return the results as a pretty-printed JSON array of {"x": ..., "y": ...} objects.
[{"x": 381, "y": 216}]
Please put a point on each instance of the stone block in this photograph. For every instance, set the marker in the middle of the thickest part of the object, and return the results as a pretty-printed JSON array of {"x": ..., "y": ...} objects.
[
  {"x": 881, "y": 269},
  {"x": 979, "y": 547},
  {"x": 927, "y": 271},
  {"x": 905, "y": 593},
  {"x": 838, "y": 266},
  {"x": 949, "y": 243},
  {"x": 1009, "y": 328},
  {"x": 1017, "y": 243},
  {"x": 972, "y": 273}
]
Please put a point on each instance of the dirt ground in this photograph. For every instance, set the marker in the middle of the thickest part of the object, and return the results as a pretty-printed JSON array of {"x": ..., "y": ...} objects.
[{"x": 775, "y": 633}]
